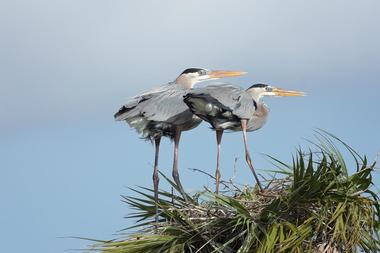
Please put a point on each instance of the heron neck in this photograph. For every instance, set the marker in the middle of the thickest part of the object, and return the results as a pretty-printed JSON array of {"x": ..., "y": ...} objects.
[
  {"x": 184, "y": 82},
  {"x": 257, "y": 96}
]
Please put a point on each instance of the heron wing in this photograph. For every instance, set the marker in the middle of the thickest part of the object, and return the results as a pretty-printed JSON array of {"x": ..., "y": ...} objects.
[
  {"x": 168, "y": 107},
  {"x": 231, "y": 97},
  {"x": 134, "y": 106}
]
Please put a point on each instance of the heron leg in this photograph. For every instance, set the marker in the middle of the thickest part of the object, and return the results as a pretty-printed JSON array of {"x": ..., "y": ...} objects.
[
  {"x": 175, "y": 164},
  {"x": 247, "y": 155},
  {"x": 156, "y": 179},
  {"x": 219, "y": 134}
]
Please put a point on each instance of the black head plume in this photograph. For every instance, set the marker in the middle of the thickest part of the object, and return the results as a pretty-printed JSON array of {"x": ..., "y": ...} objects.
[
  {"x": 192, "y": 70},
  {"x": 259, "y": 85}
]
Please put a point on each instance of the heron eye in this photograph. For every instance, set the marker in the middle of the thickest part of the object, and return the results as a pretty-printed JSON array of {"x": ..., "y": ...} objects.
[
  {"x": 269, "y": 89},
  {"x": 202, "y": 72}
]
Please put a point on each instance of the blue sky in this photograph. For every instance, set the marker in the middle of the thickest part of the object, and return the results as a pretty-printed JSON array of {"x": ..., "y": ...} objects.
[{"x": 67, "y": 66}]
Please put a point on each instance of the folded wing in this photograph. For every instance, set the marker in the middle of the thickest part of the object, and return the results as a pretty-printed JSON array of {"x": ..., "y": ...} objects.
[{"x": 222, "y": 105}]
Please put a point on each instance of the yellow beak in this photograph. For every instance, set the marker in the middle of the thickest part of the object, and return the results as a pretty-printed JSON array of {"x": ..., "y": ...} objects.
[
  {"x": 224, "y": 73},
  {"x": 287, "y": 93}
]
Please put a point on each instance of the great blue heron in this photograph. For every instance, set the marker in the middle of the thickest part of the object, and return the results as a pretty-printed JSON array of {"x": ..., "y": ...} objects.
[
  {"x": 162, "y": 112},
  {"x": 229, "y": 107}
]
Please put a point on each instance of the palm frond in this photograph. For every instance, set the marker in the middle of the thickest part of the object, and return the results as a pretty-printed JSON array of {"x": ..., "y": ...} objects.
[{"x": 321, "y": 204}]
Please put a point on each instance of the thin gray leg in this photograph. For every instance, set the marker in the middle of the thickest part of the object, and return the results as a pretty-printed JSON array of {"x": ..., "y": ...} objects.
[
  {"x": 219, "y": 134},
  {"x": 247, "y": 155},
  {"x": 175, "y": 164},
  {"x": 156, "y": 179}
]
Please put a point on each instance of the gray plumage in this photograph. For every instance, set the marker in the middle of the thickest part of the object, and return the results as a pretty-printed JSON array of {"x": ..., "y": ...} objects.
[
  {"x": 158, "y": 112},
  {"x": 229, "y": 107},
  {"x": 224, "y": 105},
  {"x": 162, "y": 112}
]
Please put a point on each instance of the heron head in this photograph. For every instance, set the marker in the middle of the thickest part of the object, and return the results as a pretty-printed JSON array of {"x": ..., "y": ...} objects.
[
  {"x": 191, "y": 76},
  {"x": 259, "y": 90}
]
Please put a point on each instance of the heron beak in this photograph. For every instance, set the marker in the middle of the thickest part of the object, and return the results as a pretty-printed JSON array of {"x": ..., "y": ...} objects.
[
  {"x": 287, "y": 93},
  {"x": 213, "y": 74}
]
